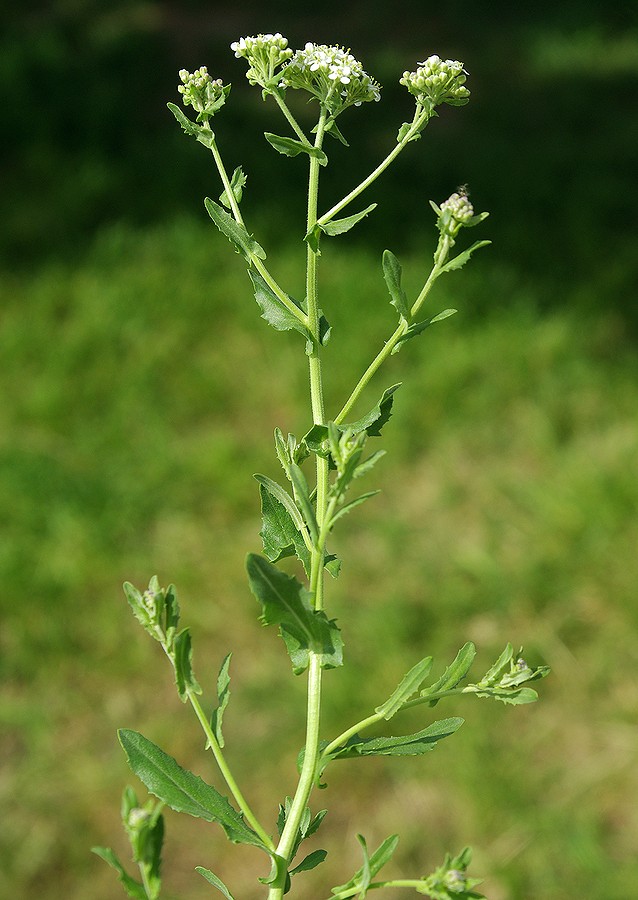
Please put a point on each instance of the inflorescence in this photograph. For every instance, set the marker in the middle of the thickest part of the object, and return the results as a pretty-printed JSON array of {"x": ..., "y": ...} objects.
[
  {"x": 437, "y": 81},
  {"x": 332, "y": 75}
]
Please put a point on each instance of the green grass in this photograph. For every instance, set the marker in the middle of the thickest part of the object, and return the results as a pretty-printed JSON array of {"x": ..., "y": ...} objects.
[{"x": 140, "y": 392}]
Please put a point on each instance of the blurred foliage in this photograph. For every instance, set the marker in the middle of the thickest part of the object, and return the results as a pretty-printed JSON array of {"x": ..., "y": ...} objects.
[{"x": 546, "y": 144}]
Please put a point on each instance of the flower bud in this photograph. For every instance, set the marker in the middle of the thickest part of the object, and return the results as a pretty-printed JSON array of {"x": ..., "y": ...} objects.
[
  {"x": 265, "y": 54},
  {"x": 205, "y": 94},
  {"x": 437, "y": 81}
]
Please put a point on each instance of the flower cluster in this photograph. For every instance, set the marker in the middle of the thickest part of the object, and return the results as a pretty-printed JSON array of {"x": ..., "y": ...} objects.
[
  {"x": 437, "y": 81},
  {"x": 332, "y": 75},
  {"x": 204, "y": 93},
  {"x": 265, "y": 53},
  {"x": 455, "y": 213}
]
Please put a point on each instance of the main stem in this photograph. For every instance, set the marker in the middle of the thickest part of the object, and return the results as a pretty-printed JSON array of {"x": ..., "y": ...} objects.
[{"x": 308, "y": 770}]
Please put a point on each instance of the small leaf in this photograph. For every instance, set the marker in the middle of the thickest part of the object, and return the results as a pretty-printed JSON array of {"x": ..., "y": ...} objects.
[
  {"x": 215, "y": 881},
  {"x": 243, "y": 242},
  {"x": 182, "y": 790},
  {"x": 372, "y": 865},
  {"x": 289, "y": 147},
  {"x": 392, "y": 275},
  {"x": 284, "y": 498},
  {"x": 349, "y": 506},
  {"x": 223, "y": 696},
  {"x": 285, "y": 602},
  {"x": 310, "y": 862},
  {"x": 418, "y": 327},
  {"x": 273, "y": 310},
  {"x": 459, "y": 261},
  {"x": 403, "y": 133},
  {"x": 455, "y": 672},
  {"x": 373, "y": 422},
  {"x": 183, "y": 658},
  {"x": 408, "y": 686},
  {"x": 237, "y": 185},
  {"x": 132, "y": 887},
  {"x": 302, "y": 496},
  {"x": 504, "y": 695},
  {"x": 331, "y": 129},
  {"x": 402, "y": 745},
  {"x": 279, "y": 534},
  {"x": 340, "y": 226},
  {"x": 186, "y": 124}
]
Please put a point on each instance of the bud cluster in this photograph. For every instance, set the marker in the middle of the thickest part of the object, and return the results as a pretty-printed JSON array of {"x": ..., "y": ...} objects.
[
  {"x": 437, "y": 81},
  {"x": 332, "y": 75},
  {"x": 265, "y": 54},
  {"x": 204, "y": 93},
  {"x": 459, "y": 207},
  {"x": 455, "y": 213}
]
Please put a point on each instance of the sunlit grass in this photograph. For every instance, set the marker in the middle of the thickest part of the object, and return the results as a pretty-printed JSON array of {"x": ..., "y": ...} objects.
[{"x": 138, "y": 392}]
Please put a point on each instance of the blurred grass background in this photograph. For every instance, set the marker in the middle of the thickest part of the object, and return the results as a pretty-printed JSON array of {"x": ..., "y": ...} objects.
[{"x": 141, "y": 389}]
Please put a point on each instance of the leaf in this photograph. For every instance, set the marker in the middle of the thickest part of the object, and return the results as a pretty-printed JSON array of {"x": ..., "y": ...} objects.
[
  {"x": 215, "y": 881},
  {"x": 403, "y": 132},
  {"x": 392, "y": 275},
  {"x": 284, "y": 498},
  {"x": 373, "y": 422},
  {"x": 310, "y": 862},
  {"x": 371, "y": 865},
  {"x": 243, "y": 242},
  {"x": 140, "y": 611},
  {"x": 457, "y": 262},
  {"x": 273, "y": 310},
  {"x": 223, "y": 696},
  {"x": 183, "y": 658},
  {"x": 408, "y": 686},
  {"x": 402, "y": 745},
  {"x": 418, "y": 327},
  {"x": 289, "y": 147},
  {"x": 237, "y": 185},
  {"x": 505, "y": 695},
  {"x": 455, "y": 672},
  {"x": 331, "y": 129},
  {"x": 302, "y": 496},
  {"x": 182, "y": 790},
  {"x": 340, "y": 226},
  {"x": 132, "y": 887},
  {"x": 352, "y": 503},
  {"x": 185, "y": 123},
  {"x": 279, "y": 534},
  {"x": 285, "y": 602}
]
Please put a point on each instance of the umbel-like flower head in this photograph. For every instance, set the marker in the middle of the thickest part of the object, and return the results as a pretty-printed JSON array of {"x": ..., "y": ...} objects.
[
  {"x": 265, "y": 54},
  {"x": 332, "y": 75},
  {"x": 437, "y": 81},
  {"x": 455, "y": 213},
  {"x": 205, "y": 94}
]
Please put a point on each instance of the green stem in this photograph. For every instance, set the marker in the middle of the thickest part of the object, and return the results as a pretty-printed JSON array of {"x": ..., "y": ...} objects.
[
  {"x": 281, "y": 103},
  {"x": 421, "y": 117},
  {"x": 258, "y": 263},
  {"x": 311, "y": 755},
  {"x": 388, "y": 347}
]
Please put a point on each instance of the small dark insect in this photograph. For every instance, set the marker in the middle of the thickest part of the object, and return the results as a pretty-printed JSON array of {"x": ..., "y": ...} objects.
[{"x": 463, "y": 190}]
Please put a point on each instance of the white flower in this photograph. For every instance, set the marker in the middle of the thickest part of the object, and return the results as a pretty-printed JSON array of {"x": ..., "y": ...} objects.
[
  {"x": 319, "y": 68},
  {"x": 265, "y": 53}
]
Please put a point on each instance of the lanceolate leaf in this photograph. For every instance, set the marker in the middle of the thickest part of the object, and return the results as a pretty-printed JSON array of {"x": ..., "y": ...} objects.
[
  {"x": 418, "y": 327},
  {"x": 223, "y": 696},
  {"x": 455, "y": 672},
  {"x": 340, "y": 226},
  {"x": 186, "y": 124},
  {"x": 289, "y": 147},
  {"x": 392, "y": 275},
  {"x": 351, "y": 505},
  {"x": 285, "y": 602},
  {"x": 284, "y": 498},
  {"x": 182, "y": 790},
  {"x": 183, "y": 657},
  {"x": 273, "y": 310},
  {"x": 237, "y": 185},
  {"x": 243, "y": 242},
  {"x": 279, "y": 534},
  {"x": 457, "y": 262},
  {"x": 310, "y": 862},
  {"x": 403, "y": 745},
  {"x": 373, "y": 422},
  {"x": 371, "y": 866},
  {"x": 215, "y": 881},
  {"x": 132, "y": 887},
  {"x": 408, "y": 686}
]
